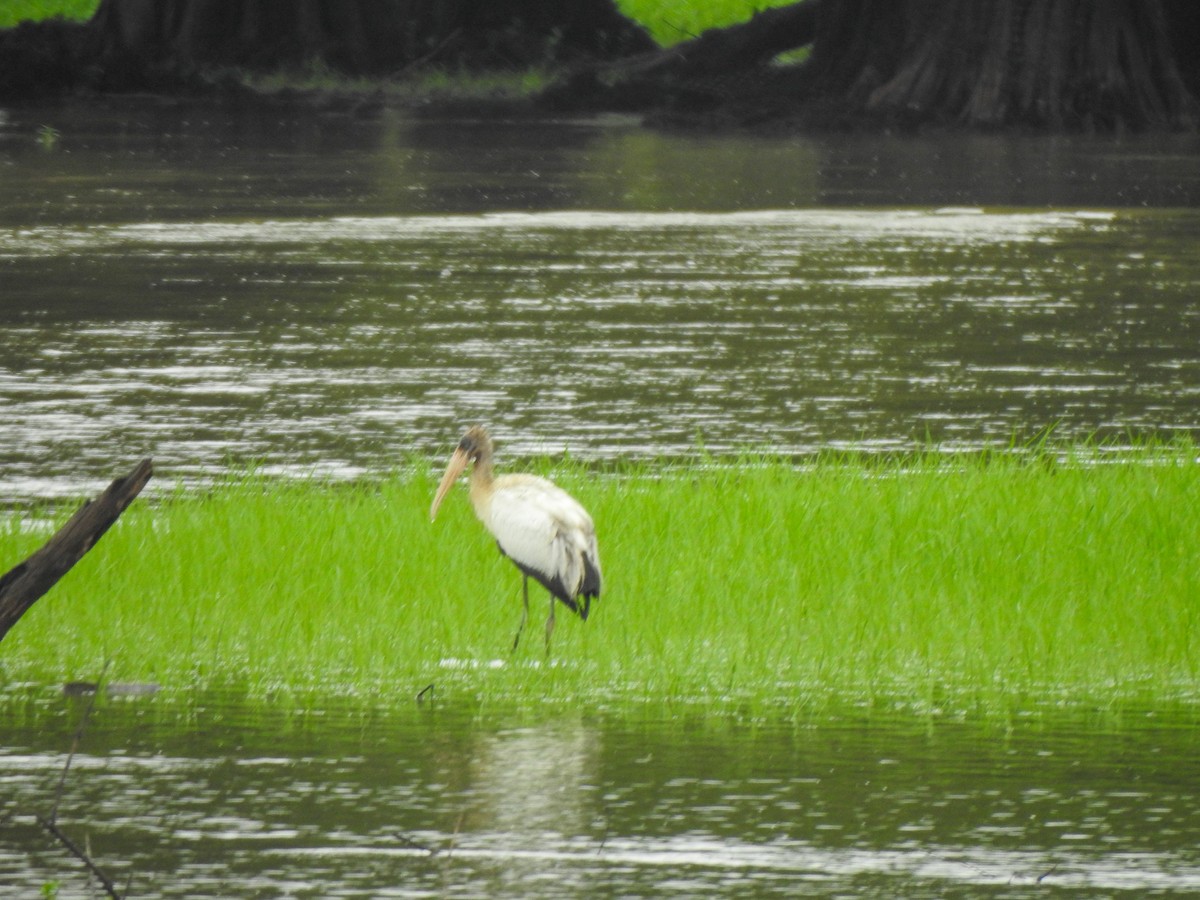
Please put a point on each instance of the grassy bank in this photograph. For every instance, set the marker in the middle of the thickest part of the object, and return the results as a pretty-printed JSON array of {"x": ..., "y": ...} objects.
[{"x": 933, "y": 581}]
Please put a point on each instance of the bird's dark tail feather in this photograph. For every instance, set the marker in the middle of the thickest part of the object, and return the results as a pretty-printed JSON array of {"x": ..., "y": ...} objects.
[
  {"x": 581, "y": 606},
  {"x": 590, "y": 589}
]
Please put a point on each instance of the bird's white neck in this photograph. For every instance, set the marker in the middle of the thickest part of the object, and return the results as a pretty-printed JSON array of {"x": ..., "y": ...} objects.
[{"x": 481, "y": 485}]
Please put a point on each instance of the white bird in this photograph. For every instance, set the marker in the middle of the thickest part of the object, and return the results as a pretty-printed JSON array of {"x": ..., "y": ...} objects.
[{"x": 536, "y": 524}]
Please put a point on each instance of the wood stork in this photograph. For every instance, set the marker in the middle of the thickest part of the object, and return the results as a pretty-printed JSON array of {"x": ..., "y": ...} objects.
[{"x": 536, "y": 524}]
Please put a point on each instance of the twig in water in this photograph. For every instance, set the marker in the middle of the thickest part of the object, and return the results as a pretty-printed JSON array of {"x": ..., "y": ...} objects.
[
  {"x": 415, "y": 845},
  {"x": 428, "y": 689},
  {"x": 51, "y": 823},
  {"x": 80, "y": 855},
  {"x": 454, "y": 837}
]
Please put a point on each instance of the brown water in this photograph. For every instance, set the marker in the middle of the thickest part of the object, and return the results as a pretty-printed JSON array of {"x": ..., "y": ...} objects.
[
  {"x": 331, "y": 294},
  {"x": 429, "y": 802}
]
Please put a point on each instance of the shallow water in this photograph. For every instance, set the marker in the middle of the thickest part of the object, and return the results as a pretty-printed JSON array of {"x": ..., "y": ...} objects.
[
  {"x": 251, "y": 802},
  {"x": 330, "y": 293}
]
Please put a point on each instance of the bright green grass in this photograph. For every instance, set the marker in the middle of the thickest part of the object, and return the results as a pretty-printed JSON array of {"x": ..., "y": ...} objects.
[
  {"x": 14, "y": 11},
  {"x": 669, "y": 21},
  {"x": 931, "y": 582},
  {"x": 672, "y": 21}
]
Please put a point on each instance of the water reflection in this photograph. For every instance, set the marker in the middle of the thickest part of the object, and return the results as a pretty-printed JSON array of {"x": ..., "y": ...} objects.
[
  {"x": 535, "y": 782},
  {"x": 238, "y": 802}
]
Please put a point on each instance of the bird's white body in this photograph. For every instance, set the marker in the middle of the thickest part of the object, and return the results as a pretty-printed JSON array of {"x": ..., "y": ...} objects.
[{"x": 545, "y": 531}]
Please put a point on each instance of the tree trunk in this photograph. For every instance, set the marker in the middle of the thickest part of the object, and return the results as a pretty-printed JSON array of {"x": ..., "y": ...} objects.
[
  {"x": 1062, "y": 64},
  {"x": 1183, "y": 25},
  {"x": 22, "y": 585}
]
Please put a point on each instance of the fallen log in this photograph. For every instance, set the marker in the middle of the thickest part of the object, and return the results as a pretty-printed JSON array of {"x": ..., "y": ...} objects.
[
  {"x": 735, "y": 48},
  {"x": 723, "y": 66},
  {"x": 25, "y": 583}
]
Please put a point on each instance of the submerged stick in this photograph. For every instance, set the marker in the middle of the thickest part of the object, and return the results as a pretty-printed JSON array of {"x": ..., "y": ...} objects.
[
  {"x": 80, "y": 854},
  {"x": 50, "y": 823},
  {"x": 415, "y": 845},
  {"x": 24, "y": 584}
]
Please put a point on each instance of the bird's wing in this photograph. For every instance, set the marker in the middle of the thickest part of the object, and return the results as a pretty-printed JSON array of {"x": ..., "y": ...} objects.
[{"x": 542, "y": 528}]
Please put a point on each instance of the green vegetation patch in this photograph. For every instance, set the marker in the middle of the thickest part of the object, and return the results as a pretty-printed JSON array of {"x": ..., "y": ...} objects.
[
  {"x": 14, "y": 11},
  {"x": 674, "y": 21},
  {"x": 933, "y": 581}
]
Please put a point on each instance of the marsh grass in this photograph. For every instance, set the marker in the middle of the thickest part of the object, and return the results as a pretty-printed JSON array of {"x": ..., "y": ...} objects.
[{"x": 931, "y": 580}]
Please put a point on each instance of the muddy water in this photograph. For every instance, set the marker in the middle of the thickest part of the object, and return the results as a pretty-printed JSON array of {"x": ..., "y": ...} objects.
[
  {"x": 429, "y": 802},
  {"x": 332, "y": 293}
]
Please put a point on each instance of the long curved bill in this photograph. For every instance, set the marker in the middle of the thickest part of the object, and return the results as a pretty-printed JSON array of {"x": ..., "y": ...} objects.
[{"x": 455, "y": 468}]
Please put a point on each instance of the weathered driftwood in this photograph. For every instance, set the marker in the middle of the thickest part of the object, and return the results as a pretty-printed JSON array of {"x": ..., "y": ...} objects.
[{"x": 22, "y": 585}]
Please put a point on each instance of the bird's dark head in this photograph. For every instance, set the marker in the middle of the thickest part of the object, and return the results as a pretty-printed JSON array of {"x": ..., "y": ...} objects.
[{"x": 476, "y": 443}]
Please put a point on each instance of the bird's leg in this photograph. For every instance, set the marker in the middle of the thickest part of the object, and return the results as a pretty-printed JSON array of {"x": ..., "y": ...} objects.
[
  {"x": 550, "y": 625},
  {"x": 524, "y": 613}
]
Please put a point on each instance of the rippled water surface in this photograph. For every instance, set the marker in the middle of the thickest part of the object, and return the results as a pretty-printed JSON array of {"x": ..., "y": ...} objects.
[
  {"x": 254, "y": 803},
  {"x": 330, "y": 293}
]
